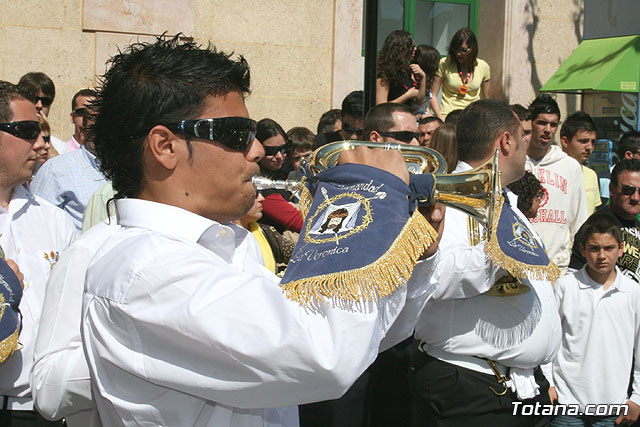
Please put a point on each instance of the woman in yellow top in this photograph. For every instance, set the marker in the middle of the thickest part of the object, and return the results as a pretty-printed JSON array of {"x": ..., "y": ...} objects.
[{"x": 464, "y": 77}]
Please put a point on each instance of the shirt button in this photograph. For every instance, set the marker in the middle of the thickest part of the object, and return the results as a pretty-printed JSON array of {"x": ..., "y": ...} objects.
[
  {"x": 223, "y": 233},
  {"x": 19, "y": 250}
]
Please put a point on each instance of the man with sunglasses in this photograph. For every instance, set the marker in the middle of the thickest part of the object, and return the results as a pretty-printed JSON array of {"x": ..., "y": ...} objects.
[
  {"x": 33, "y": 233},
  {"x": 69, "y": 181},
  {"x": 391, "y": 122},
  {"x": 351, "y": 116},
  {"x": 79, "y": 111},
  {"x": 41, "y": 87},
  {"x": 181, "y": 323},
  {"x": 624, "y": 207}
]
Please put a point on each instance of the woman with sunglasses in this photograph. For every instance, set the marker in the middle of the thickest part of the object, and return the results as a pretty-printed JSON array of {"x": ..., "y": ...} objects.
[
  {"x": 463, "y": 77},
  {"x": 278, "y": 210},
  {"x": 48, "y": 151},
  {"x": 399, "y": 81}
]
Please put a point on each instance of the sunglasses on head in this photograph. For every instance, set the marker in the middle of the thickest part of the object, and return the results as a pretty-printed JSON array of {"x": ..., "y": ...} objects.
[
  {"x": 236, "y": 133},
  {"x": 351, "y": 130},
  {"x": 402, "y": 135},
  {"x": 272, "y": 151},
  {"x": 629, "y": 190},
  {"x": 26, "y": 129},
  {"x": 46, "y": 100}
]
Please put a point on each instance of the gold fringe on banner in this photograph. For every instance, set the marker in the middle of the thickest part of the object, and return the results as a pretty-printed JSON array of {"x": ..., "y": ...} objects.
[
  {"x": 517, "y": 268},
  {"x": 376, "y": 280},
  {"x": 9, "y": 345},
  {"x": 304, "y": 205}
]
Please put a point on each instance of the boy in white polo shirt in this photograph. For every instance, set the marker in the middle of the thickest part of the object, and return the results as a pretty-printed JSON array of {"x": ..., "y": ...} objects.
[{"x": 600, "y": 314}]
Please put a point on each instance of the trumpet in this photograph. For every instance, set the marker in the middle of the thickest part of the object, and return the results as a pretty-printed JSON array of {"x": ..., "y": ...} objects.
[{"x": 472, "y": 192}]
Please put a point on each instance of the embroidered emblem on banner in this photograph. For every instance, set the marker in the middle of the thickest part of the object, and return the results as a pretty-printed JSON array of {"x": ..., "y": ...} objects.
[
  {"x": 360, "y": 239},
  {"x": 513, "y": 247},
  {"x": 10, "y": 295}
]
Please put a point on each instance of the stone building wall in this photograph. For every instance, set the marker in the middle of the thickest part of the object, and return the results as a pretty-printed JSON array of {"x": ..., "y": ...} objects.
[
  {"x": 305, "y": 56},
  {"x": 525, "y": 41},
  {"x": 289, "y": 45}
]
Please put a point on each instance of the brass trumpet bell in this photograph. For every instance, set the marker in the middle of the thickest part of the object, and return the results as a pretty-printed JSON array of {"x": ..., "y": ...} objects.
[{"x": 472, "y": 192}]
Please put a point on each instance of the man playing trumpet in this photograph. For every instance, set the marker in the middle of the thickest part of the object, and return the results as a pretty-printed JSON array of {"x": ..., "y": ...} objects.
[
  {"x": 181, "y": 324},
  {"x": 479, "y": 344}
]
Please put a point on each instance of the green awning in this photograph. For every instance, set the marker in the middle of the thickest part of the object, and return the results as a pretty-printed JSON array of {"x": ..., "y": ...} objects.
[{"x": 609, "y": 64}]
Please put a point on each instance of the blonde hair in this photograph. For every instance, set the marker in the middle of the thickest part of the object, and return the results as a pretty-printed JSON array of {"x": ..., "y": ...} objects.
[{"x": 44, "y": 126}]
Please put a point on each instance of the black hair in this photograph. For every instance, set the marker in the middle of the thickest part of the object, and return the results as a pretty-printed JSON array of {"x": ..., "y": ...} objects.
[
  {"x": 300, "y": 139},
  {"x": 428, "y": 58},
  {"x": 353, "y": 105},
  {"x": 464, "y": 34},
  {"x": 268, "y": 128},
  {"x": 526, "y": 188},
  {"x": 88, "y": 93},
  {"x": 34, "y": 81},
  {"x": 453, "y": 116},
  {"x": 380, "y": 117},
  {"x": 149, "y": 84},
  {"x": 631, "y": 165},
  {"x": 544, "y": 104},
  {"x": 9, "y": 92},
  {"x": 520, "y": 111},
  {"x": 480, "y": 124},
  {"x": 427, "y": 120},
  {"x": 579, "y": 121},
  {"x": 600, "y": 223},
  {"x": 629, "y": 141},
  {"x": 328, "y": 120}
]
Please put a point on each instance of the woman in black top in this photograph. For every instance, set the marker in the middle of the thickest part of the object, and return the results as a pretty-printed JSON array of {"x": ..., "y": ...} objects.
[{"x": 398, "y": 80}]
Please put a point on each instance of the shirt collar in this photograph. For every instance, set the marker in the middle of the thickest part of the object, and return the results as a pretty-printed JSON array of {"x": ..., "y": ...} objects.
[
  {"x": 162, "y": 218},
  {"x": 20, "y": 199},
  {"x": 91, "y": 158},
  {"x": 462, "y": 167},
  {"x": 588, "y": 282},
  {"x": 73, "y": 144}
]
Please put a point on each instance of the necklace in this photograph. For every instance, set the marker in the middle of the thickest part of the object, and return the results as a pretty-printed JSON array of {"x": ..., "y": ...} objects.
[{"x": 465, "y": 79}]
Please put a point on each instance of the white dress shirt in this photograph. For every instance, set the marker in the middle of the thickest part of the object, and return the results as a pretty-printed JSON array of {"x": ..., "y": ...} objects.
[
  {"x": 60, "y": 381},
  {"x": 190, "y": 330},
  {"x": 461, "y": 323},
  {"x": 33, "y": 233},
  {"x": 600, "y": 332}
]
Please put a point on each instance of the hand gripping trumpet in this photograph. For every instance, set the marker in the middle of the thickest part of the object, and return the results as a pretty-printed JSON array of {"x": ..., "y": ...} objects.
[{"x": 472, "y": 192}]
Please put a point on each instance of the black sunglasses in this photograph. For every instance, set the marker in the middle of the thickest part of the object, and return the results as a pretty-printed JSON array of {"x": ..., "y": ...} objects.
[
  {"x": 401, "y": 135},
  {"x": 82, "y": 112},
  {"x": 351, "y": 130},
  {"x": 629, "y": 190},
  {"x": 272, "y": 151},
  {"x": 46, "y": 100},
  {"x": 236, "y": 133},
  {"x": 26, "y": 129}
]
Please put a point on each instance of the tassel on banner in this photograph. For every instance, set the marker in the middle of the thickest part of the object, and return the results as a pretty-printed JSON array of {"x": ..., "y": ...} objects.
[{"x": 377, "y": 280}]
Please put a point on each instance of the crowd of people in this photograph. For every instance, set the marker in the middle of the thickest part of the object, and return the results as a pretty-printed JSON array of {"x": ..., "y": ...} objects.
[{"x": 148, "y": 266}]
